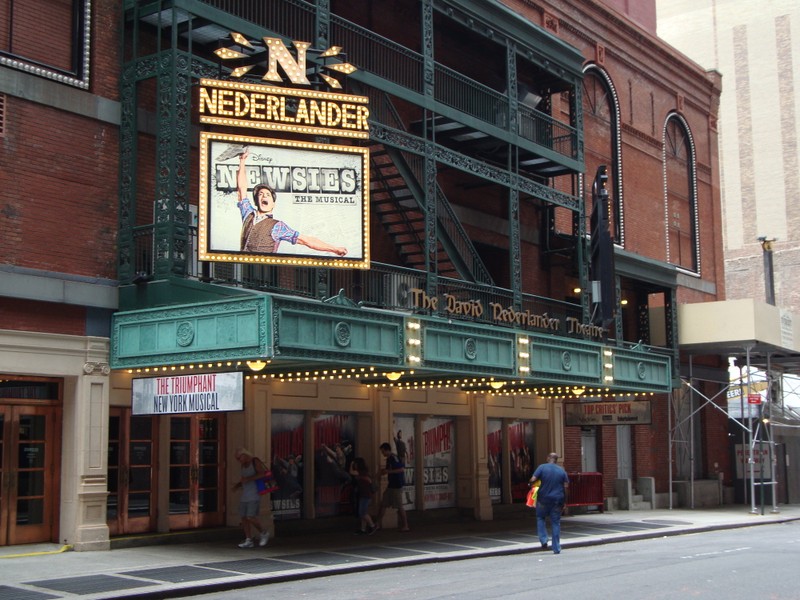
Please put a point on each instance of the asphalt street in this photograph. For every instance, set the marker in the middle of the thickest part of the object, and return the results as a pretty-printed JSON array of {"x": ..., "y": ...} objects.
[{"x": 160, "y": 568}]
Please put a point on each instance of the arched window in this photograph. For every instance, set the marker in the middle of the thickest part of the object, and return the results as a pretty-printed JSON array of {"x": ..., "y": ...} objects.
[
  {"x": 680, "y": 190},
  {"x": 601, "y": 144}
]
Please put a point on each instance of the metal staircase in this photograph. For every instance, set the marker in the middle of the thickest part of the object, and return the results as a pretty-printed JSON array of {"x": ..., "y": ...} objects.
[{"x": 399, "y": 201}]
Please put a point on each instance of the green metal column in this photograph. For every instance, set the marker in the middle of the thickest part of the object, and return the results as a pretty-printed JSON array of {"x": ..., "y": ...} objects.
[
  {"x": 428, "y": 65},
  {"x": 322, "y": 23},
  {"x": 171, "y": 211},
  {"x": 514, "y": 235},
  {"x": 127, "y": 175}
]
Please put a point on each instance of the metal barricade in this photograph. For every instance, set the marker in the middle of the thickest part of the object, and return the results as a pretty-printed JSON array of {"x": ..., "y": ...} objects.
[{"x": 585, "y": 489}]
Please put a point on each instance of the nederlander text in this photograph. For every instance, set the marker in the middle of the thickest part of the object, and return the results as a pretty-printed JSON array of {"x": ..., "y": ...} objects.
[
  {"x": 252, "y": 105},
  {"x": 473, "y": 308}
]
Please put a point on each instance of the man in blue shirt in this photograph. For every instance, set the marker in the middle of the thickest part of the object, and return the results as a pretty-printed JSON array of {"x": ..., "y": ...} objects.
[
  {"x": 393, "y": 494},
  {"x": 550, "y": 499}
]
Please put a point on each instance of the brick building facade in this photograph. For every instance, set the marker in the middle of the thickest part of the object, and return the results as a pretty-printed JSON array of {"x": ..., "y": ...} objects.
[{"x": 488, "y": 124}]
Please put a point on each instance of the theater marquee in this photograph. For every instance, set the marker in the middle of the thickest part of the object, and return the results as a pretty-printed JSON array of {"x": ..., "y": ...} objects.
[
  {"x": 255, "y": 106},
  {"x": 283, "y": 202}
]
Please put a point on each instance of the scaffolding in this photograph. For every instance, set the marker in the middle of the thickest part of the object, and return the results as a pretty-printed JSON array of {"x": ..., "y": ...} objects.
[{"x": 756, "y": 430}]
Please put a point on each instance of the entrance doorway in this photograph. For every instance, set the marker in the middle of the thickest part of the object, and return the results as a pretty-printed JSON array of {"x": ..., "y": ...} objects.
[
  {"x": 588, "y": 449},
  {"x": 30, "y": 440},
  {"x": 132, "y": 452},
  {"x": 624, "y": 452},
  {"x": 196, "y": 471}
]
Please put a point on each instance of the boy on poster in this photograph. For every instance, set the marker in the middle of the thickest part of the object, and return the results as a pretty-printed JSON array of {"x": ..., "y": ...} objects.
[{"x": 261, "y": 232}]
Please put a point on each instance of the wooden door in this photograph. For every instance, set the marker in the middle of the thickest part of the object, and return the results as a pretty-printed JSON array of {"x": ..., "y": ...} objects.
[
  {"x": 132, "y": 468},
  {"x": 30, "y": 440},
  {"x": 196, "y": 471}
]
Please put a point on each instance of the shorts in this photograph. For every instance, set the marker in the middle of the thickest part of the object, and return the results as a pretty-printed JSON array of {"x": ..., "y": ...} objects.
[
  {"x": 392, "y": 498},
  {"x": 249, "y": 508},
  {"x": 363, "y": 507}
]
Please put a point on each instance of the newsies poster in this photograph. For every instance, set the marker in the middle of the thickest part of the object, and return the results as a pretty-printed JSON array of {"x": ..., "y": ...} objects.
[
  {"x": 438, "y": 461},
  {"x": 288, "y": 439},
  {"x": 521, "y": 449},
  {"x": 334, "y": 436},
  {"x": 403, "y": 446},
  {"x": 494, "y": 445},
  {"x": 284, "y": 202}
]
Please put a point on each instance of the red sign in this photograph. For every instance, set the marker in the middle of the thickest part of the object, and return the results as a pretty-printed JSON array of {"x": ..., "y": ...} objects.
[{"x": 754, "y": 398}]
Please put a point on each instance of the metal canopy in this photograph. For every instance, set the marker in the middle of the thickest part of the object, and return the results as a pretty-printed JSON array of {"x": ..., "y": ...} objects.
[{"x": 738, "y": 328}]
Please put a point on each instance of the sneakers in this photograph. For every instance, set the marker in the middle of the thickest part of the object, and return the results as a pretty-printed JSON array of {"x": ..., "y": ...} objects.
[
  {"x": 263, "y": 539},
  {"x": 372, "y": 530}
]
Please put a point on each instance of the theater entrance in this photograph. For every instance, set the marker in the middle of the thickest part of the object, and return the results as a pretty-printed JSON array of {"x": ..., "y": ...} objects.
[
  {"x": 132, "y": 455},
  {"x": 30, "y": 441},
  {"x": 196, "y": 471}
]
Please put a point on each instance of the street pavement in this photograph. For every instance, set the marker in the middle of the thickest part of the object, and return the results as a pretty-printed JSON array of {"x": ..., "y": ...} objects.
[{"x": 169, "y": 566}]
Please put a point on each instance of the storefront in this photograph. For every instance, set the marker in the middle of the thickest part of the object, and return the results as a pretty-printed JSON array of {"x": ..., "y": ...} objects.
[{"x": 469, "y": 438}]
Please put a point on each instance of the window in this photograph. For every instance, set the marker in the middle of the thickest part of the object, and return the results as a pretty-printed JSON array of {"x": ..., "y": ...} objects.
[
  {"x": 681, "y": 195},
  {"x": 49, "y": 38},
  {"x": 601, "y": 139}
]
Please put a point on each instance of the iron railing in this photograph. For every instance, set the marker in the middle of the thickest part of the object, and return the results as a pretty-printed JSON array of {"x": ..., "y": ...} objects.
[
  {"x": 382, "y": 286},
  {"x": 401, "y": 66}
]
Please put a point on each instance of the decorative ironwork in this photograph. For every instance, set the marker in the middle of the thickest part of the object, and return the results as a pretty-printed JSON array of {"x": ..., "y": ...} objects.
[
  {"x": 470, "y": 348},
  {"x": 342, "y": 334},
  {"x": 184, "y": 334}
]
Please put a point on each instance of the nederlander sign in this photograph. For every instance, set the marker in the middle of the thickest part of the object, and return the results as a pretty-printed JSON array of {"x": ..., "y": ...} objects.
[
  {"x": 498, "y": 313},
  {"x": 252, "y": 105}
]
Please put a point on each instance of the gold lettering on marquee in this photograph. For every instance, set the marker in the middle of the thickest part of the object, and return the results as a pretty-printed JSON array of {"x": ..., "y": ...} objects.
[
  {"x": 254, "y": 105},
  {"x": 473, "y": 309},
  {"x": 279, "y": 54}
]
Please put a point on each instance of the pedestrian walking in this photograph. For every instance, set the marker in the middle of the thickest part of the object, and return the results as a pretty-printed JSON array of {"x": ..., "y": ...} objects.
[
  {"x": 393, "y": 494},
  {"x": 550, "y": 499},
  {"x": 252, "y": 468},
  {"x": 364, "y": 493}
]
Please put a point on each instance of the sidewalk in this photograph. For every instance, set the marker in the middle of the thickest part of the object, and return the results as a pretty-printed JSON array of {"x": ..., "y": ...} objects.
[{"x": 49, "y": 571}]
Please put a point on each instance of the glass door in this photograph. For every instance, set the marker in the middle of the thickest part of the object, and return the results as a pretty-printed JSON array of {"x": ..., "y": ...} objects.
[
  {"x": 29, "y": 494},
  {"x": 196, "y": 478},
  {"x": 132, "y": 467}
]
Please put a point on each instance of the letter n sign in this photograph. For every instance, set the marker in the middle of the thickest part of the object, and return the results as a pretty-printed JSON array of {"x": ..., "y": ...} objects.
[{"x": 278, "y": 54}]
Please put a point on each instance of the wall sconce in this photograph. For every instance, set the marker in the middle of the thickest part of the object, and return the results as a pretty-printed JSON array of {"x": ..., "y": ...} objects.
[
  {"x": 623, "y": 302},
  {"x": 576, "y": 290},
  {"x": 256, "y": 365},
  {"x": 393, "y": 375}
]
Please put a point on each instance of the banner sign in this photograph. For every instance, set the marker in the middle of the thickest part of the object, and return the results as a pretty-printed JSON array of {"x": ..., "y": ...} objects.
[
  {"x": 438, "y": 461},
  {"x": 288, "y": 443},
  {"x": 760, "y": 461},
  {"x": 403, "y": 446},
  {"x": 521, "y": 448},
  {"x": 334, "y": 450},
  {"x": 607, "y": 413},
  {"x": 283, "y": 202},
  {"x": 494, "y": 444},
  {"x": 188, "y": 394}
]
